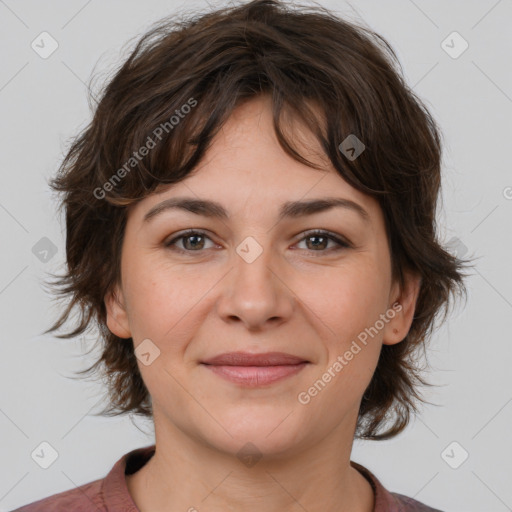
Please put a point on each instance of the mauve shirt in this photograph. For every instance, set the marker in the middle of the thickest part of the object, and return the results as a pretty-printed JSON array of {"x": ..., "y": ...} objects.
[{"x": 110, "y": 494}]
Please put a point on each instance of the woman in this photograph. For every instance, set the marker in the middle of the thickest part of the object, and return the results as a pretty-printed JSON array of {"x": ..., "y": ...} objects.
[{"x": 251, "y": 223}]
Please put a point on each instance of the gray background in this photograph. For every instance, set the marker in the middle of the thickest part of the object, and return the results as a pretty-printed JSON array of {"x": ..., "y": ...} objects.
[{"x": 43, "y": 103}]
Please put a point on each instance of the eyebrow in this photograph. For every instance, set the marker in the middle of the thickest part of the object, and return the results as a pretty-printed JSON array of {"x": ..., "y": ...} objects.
[{"x": 291, "y": 209}]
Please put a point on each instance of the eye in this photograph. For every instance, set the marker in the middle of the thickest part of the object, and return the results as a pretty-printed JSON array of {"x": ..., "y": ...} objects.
[
  {"x": 195, "y": 237},
  {"x": 320, "y": 241},
  {"x": 194, "y": 241}
]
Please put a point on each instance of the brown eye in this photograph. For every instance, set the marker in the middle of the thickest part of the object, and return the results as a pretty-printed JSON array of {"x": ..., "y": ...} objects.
[
  {"x": 191, "y": 241},
  {"x": 318, "y": 241}
]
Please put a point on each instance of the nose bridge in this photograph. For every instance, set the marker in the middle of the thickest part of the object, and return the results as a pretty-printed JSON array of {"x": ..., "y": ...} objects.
[
  {"x": 253, "y": 261},
  {"x": 255, "y": 293}
]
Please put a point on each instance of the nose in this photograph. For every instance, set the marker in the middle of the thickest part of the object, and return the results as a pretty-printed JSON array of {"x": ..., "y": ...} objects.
[{"x": 255, "y": 293}]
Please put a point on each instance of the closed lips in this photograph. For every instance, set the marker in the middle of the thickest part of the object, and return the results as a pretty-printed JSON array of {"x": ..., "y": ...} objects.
[{"x": 247, "y": 359}]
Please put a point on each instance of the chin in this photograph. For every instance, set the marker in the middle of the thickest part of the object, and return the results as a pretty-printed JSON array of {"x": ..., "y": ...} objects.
[{"x": 268, "y": 434}]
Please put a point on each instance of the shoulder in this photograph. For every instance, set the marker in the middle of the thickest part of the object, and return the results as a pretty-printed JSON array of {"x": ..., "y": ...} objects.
[
  {"x": 85, "y": 498},
  {"x": 386, "y": 501},
  {"x": 102, "y": 495},
  {"x": 411, "y": 505}
]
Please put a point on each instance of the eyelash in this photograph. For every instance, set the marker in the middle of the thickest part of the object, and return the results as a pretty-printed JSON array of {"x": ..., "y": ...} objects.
[{"x": 317, "y": 232}]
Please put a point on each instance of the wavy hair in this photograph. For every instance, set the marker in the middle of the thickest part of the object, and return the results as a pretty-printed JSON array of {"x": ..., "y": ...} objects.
[{"x": 301, "y": 57}]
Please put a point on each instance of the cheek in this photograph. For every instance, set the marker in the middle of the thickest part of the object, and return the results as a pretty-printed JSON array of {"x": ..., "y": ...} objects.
[
  {"x": 358, "y": 322},
  {"x": 165, "y": 301},
  {"x": 349, "y": 306},
  {"x": 153, "y": 299},
  {"x": 353, "y": 304},
  {"x": 349, "y": 299}
]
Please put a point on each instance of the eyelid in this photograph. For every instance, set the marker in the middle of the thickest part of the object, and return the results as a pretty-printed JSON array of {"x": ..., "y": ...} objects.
[
  {"x": 183, "y": 234},
  {"x": 341, "y": 241}
]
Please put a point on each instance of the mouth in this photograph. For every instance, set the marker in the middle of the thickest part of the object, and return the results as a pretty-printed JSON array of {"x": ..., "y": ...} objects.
[{"x": 254, "y": 370}]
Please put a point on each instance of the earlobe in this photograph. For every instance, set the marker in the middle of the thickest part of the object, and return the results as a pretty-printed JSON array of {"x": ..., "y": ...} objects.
[
  {"x": 401, "y": 313},
  {"x": 117, "y": 318}
]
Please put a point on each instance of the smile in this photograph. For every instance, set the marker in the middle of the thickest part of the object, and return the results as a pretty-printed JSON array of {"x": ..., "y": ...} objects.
[{"x": 254, "y": 376}]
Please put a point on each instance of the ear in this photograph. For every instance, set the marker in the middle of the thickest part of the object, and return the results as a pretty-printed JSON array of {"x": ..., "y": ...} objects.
[
  {"x": 403, "y": 304},
  {"x": 117, "y": 318}
]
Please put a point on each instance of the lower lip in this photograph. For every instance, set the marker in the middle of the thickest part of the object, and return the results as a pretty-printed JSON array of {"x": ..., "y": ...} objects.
[{"x": 254, "y": 376}]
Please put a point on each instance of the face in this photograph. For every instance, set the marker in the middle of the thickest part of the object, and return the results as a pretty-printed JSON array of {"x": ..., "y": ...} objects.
[{"x": 253, "y": 281}]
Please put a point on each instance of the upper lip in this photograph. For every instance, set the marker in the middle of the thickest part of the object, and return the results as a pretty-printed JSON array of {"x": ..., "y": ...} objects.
[{"x": 247, "y": 359}]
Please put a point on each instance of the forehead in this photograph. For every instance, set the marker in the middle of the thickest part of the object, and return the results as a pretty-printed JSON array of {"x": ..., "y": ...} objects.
[{"x": 245, "y": 167}]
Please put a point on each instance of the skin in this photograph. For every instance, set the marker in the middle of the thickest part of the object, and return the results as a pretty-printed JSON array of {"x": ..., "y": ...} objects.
[{"x": 296, "y": 297}]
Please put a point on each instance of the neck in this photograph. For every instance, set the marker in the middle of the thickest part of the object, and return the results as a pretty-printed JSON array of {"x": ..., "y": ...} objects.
[{"x": 186, "y": 475}]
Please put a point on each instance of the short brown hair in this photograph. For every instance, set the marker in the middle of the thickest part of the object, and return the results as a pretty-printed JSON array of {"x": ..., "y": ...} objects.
[{"x": 213, "y": 62}]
